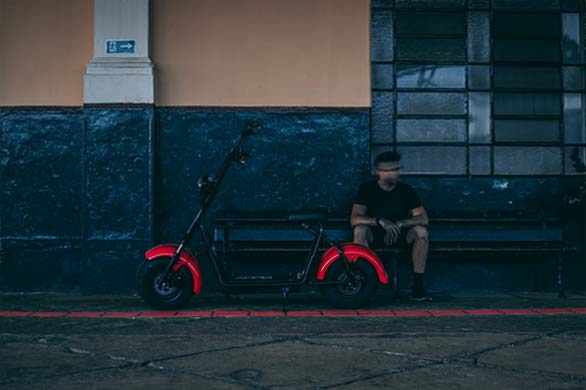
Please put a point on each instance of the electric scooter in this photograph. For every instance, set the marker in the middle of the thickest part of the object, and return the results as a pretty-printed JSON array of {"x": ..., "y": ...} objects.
[{"x": 347, "y": 274}]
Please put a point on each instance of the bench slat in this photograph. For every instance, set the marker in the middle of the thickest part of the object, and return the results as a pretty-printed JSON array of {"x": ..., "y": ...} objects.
[
  {"x": 435, "y": 234},
  {"x": 535, "y": 249}
]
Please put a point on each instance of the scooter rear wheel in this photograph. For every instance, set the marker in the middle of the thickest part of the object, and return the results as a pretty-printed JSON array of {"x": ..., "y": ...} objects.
[
  {"x": 354, "y": 292},
  {"x": 170, "y": 295}
]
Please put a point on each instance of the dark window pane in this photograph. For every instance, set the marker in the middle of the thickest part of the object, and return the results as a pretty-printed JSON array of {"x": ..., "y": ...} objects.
[
  {"x": 431, "y": 103},
  {"x": 527, "y": 77},
  {"x": 571, "y": 42},
  {"x": 479, "y": 4},
  {"x": 532, "y": 104},
  {"x": 382, "y": 117},
  {"x": 431, "y": 130},
  {"x": 382, "y": 76},
  {"x": 518, "y": 50},
  {"x": 433, "y": 159},
  {"x": 382, "y": 3},
  {"x": 479, "y": 77},
  {"x": 430, "y": 76},
  {"x": 479, "y": 160},
  {"x": 431, "y": 49},
  {"x": 381, "y": 37},
  {"x": 573, "y": 78},
  {"x": 441, "y": 4},
  {"x": 526, "y": 25},
  {"x": 526, "y": 130},
  {"x": 478, "y": 37},
  {"x": 573, "y": 5},
  {"x": 525, "y": 4},
  {"x": 479, "y": 117},
  {"x": 580, "y": 153},
  {"x": 422, "y": 23},
  {"x": 525, "y": 160},
  {"x": 574, "y": 118}
]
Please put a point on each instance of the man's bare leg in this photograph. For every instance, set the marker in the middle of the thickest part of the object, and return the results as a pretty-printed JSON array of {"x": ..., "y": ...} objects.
[
  {"x": 362, "y": 235},
  {"x": 418, "y": 236}
]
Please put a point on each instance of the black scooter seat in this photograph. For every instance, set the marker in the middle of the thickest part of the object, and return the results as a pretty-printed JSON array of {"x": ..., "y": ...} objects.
[{"x": 308, "y": 215}]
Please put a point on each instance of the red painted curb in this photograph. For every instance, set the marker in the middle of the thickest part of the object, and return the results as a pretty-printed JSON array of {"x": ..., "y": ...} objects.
[
  {"x": 267, "y": 314},
  {"x": 553, "y": 310},
  {"x": 312, "y": 313},
  {"x": 85, "y": 314},
  {"x": 230, "y": 313},
  {"x": 448, "y": 312},
  {"x": 157, "y": 314},
  {"x": 14, "y": 313},
  {"x": 484, "y": 312},
  {"x": 412, "y": 313},
  {"x": 121, "y": 314},
  {"x": 336, "y": 313},
  {"x": 198, "y": 313},
  {"x": 518, "y": 311},
  {"x": 296, "y": 313},
  {"x": 389, "y": 313},
  {"x": 48, "y": 314}
]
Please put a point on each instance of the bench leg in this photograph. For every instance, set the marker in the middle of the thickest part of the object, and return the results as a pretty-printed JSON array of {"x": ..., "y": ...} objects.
[
  {"x": 285, "y": 291},
  {"x": 395, "y": 269},
  {"x": 560, "y": 273}
]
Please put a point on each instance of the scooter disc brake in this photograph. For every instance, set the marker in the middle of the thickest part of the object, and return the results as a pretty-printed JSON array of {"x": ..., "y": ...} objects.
[
  {"x": 165, "y": 288},
  {"x": 351, "y": 283}
]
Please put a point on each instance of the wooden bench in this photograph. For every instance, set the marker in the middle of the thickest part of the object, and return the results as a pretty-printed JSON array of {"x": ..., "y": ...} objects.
[{"x": 262, "y": 231}]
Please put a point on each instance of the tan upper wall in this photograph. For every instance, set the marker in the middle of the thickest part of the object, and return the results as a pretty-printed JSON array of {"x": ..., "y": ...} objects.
[
  {"x": 206, "y": 52},
  {"x": 44, "y": 48},
  {"x": 261, "y": 52}
]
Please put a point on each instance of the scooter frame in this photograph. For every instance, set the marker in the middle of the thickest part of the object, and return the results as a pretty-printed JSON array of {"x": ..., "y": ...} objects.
[{"x": 348, "y": 252}]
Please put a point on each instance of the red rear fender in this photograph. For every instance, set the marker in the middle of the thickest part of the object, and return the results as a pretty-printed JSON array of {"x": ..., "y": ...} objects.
[{"x": 353, "y": 252}]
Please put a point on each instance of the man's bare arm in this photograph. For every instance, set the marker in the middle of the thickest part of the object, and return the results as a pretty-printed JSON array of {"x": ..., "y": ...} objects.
[
  {"x": 359, "y": 217},
  {"x": 418, "y": 217}
]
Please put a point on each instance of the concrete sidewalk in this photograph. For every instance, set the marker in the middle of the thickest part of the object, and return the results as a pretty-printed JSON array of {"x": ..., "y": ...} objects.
[{"x": 533, "y": 350}]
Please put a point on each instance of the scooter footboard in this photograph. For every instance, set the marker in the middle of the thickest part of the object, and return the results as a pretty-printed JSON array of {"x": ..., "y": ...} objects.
[
  {"x": 185, "y": 259},
  {"x": 353, "y": 252}
]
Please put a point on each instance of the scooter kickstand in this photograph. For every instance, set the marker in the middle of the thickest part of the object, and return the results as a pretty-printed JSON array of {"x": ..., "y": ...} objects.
[{"x": 285, "y": 291}]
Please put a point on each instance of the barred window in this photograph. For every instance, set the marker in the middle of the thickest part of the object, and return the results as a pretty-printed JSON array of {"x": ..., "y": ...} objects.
[{"x": 478, "y": 87}]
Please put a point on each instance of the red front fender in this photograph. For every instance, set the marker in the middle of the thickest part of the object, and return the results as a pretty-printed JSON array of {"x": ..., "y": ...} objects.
[
  {"x": 185, "y": 259},
  {"x": 353, "y": 252}
]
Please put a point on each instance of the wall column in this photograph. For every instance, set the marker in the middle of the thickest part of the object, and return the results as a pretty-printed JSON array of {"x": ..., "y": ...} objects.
[
  {"x": 121, "y": 70},
  {"x": 118, "y": 147}
]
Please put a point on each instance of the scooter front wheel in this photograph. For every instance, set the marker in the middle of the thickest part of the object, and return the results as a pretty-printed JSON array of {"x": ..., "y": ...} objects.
[
  {"x": 172, "y": 294},
  {"x": 356, "y": 288}
]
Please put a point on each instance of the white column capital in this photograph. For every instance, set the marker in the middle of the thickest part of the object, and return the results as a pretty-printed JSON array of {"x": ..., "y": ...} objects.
[{"x": 121, "y": 70}]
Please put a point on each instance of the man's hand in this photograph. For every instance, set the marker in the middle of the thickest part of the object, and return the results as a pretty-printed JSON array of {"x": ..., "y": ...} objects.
[{"x": 393, "y": 230}]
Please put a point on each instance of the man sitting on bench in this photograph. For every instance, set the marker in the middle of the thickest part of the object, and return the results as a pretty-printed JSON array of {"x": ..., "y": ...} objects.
[{"x": 388, "y": 211}]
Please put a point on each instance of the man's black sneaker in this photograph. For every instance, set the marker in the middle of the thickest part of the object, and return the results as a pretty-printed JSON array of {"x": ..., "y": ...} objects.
[{"x": 419, "y": 295}]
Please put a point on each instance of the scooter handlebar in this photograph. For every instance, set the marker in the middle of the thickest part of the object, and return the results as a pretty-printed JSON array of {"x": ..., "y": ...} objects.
[
  {"x": 242, "y": 157},
  {"x": 236, "y": 154},
  {"x": 252, "y": 128}
]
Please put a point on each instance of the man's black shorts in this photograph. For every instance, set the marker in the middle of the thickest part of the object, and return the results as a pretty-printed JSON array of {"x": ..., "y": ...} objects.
[{"x": 379, "y": 238}]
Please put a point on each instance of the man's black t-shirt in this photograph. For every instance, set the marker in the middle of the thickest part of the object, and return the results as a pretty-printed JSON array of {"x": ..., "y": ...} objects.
[{"x": 393, "y": 205}]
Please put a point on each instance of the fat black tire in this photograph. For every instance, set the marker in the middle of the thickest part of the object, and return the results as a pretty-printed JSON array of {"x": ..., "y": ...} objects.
[
  {"x": 177, "y": 296},
  {"x": 341, "y": 297}
]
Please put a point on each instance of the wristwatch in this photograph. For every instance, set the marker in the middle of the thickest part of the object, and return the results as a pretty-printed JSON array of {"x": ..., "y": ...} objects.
[{"x": 377, "y": 221}]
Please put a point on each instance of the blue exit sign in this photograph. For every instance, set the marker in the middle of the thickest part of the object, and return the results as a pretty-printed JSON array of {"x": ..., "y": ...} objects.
[{"x": 120, "y": 46}]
